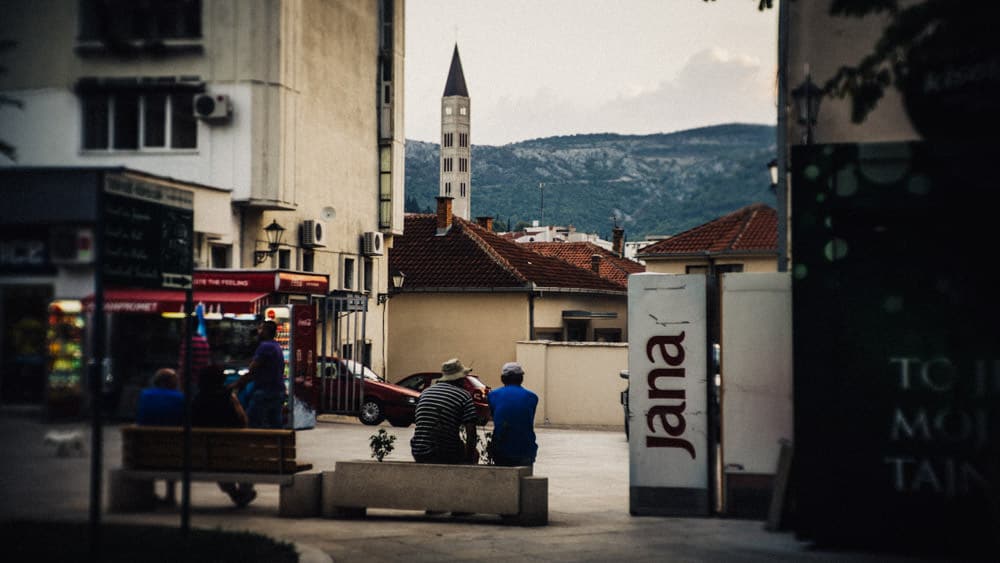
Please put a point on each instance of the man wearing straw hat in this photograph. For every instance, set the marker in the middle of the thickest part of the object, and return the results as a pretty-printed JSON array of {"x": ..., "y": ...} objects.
[{"x": 442, "y": 409}]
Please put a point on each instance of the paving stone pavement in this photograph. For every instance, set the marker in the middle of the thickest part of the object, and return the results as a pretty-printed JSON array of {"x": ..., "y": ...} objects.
[{"x": 588, "y": 505}]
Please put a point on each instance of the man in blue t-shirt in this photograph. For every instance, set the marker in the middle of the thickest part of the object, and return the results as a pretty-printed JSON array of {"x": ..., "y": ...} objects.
[
  {"x": 267, "y": 372},
  {"x": 513, "y": 410},
  {"x": 162, "y": 404}
]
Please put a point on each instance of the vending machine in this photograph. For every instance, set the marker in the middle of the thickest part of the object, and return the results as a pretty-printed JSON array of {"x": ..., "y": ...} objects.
[
  {"x": 64, "y": 337},
  {"x": 297, "y": 338}
]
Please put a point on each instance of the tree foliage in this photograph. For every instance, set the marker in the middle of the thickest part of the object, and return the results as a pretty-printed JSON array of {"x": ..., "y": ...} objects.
[{"x": 914, "y": 34}]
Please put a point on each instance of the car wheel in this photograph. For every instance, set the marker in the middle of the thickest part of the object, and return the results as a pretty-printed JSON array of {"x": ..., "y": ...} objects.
[
  {"x": 401, "y": 422},
  {"x": 371, "y": 412}
]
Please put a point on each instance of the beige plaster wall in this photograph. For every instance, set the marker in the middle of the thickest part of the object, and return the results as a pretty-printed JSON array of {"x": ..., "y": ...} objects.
[
  {"x": 577, "y": 383},
  {"x": 482, "y": 329},
  {"x": 678, "y": 266},
  {"x": 826, "y": 43}
]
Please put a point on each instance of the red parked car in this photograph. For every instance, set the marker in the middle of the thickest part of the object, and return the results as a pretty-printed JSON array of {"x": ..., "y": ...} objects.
[
  {"x": 380, "y": 399},
  {"x": 475, "y": 386}
]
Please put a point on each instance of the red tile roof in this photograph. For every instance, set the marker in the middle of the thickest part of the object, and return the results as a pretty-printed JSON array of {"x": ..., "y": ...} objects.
[
  {"x": 750, "y": 230},
  {"x": 470, "y": 257},
  {"x": 612, "y": 267}
]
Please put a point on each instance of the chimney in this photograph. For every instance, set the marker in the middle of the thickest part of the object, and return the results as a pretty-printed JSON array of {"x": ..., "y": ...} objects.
[
  {"x": 617, "y": 239},
  {"x": 595, "y": 263},
  {"x": 444, "y": 216},
  {"x": 485, "y": 222}
]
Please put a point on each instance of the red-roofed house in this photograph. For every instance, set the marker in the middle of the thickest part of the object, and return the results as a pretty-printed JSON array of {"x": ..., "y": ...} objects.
[
  {"x": 588, "y": 255},
  {"x": 471, "y": 294},
  {"x": 742, "y": 241}
]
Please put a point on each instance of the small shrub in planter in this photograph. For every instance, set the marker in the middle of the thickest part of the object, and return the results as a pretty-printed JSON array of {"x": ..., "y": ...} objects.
[{"x": 381, "y": 444}]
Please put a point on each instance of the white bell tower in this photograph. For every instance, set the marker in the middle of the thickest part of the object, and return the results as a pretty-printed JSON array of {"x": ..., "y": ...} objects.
[{"x": 456, "y": 149}]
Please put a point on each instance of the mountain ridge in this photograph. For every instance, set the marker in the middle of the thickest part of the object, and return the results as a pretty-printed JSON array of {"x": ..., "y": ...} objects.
[{"x": 659, "y": 184}]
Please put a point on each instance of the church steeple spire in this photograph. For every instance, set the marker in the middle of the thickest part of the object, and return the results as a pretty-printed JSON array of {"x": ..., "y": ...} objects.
[
  {"x": 455, "y": 86},
  {"x": 456, "y": 150}
]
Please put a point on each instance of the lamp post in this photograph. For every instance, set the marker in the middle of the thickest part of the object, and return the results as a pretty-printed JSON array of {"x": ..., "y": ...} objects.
[
  {"x": 807, "y": 98},
  {"x": 273, "y": 232},
  {"x": 772, "y": 171},
  {"x": 397, "y": 284}
]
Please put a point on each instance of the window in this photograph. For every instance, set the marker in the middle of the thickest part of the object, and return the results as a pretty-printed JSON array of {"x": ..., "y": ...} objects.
[
  {"x": 348, "y": 273},
  {"x": 463, "y": 139},
  {"x": 369, "y": 267},
  {"x": 447, "y": 111},
  {"x": 127, "y": 120},
  {"x": 308, "y": 261},
  {"x": 447, "y": 188},
  {"x": 463, "y": 165},
  {"x": 449, "y": 164},
  {"x": 607, "y": 335},
  {"x": 449, "y": 139},
  {"x": 284, "y": 259},
  {"x": 719, "y": 269},
  {"x": 463, "y": 110},
  {"x": 462, "y": 188},
  {"x": 576, "y": 331},
  {"x": 220, "y": 256},
  {"x": 162, "y": 19},
  {"x": 385, "y": 187}
]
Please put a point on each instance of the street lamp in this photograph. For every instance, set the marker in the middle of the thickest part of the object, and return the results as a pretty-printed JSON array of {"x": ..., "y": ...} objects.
[
  {"x": 772, "y": 170},
  {"x": 274, "y": 231},
  {"x": 397, "y": 284},
  {"x": 807, "y": 98}
]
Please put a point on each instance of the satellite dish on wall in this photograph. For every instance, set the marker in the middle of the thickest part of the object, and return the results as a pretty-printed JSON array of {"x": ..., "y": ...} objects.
[{"x": 328, "y": 213}]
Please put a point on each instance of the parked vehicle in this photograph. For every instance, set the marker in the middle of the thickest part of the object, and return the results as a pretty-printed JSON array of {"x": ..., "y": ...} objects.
[
  {"x": 380, "y": 399},
  {"x": 475, "y": 386}
]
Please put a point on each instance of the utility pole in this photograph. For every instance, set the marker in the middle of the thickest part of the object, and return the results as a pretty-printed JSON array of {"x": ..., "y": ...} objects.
[{"x": 541, "y": 190}]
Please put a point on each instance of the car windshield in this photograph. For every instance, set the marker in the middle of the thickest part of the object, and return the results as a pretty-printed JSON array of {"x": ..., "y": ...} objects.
[
  {"x": 352, "y": 366},
  {"x": 360, "y": 369}
]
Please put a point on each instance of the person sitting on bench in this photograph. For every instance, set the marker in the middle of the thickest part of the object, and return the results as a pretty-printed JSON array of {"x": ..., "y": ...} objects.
[{"x": 217, "y": 407}]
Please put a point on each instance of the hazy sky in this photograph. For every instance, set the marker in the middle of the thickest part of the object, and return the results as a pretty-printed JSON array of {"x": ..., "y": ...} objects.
[{"x": 537, "y": 68}]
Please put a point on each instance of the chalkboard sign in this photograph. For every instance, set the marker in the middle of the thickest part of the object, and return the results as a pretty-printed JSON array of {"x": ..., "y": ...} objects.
[
  {"x": 148, "y": 234},
  {"x": 897, "y": 354}
]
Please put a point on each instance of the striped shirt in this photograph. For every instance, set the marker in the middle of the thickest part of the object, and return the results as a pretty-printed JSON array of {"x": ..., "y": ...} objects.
[{"x": 441, "y": 410}]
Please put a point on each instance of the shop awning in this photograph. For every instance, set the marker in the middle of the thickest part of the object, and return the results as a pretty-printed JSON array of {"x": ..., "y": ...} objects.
[{"x": 157, "y": 301}]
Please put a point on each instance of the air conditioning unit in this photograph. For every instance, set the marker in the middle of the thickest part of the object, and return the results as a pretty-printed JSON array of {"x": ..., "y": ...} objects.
[
  {"x": 312, "y": 233},
  {"x": 212, "y": 106},
  {"x": 373, "y": 244}
]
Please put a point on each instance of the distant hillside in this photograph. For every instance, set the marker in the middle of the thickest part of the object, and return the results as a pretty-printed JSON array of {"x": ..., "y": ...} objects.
[{"x": 654, "y": 184}]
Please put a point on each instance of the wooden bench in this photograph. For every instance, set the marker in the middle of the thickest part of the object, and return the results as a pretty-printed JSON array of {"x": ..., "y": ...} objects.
[
  {"x": 512, "y": 492},
  {"x": 151, "y": 453}
]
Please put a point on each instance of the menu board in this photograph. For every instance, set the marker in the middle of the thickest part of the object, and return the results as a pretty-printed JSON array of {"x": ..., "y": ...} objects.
[{"x": 148, "y": 233}]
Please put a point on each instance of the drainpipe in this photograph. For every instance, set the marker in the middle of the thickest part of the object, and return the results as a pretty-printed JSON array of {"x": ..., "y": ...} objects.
[{"x": 782, "y": 187}]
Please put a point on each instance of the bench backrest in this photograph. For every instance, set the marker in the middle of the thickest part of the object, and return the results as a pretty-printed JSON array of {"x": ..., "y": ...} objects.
[{"x": 212, "y": 449}]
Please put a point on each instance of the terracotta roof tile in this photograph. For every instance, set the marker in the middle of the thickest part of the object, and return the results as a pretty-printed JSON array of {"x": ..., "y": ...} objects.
[
  {"x": 612, "y": 267},
  {"x": 468, "y": 256},
  {"x": 751, "y": 229}
]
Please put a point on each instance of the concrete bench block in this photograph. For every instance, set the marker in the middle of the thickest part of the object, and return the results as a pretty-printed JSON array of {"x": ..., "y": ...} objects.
[
  {"x": 511, "y": 492},
  {"x": 301, "y": 498},
  {"x": 534, "y": 501}
]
